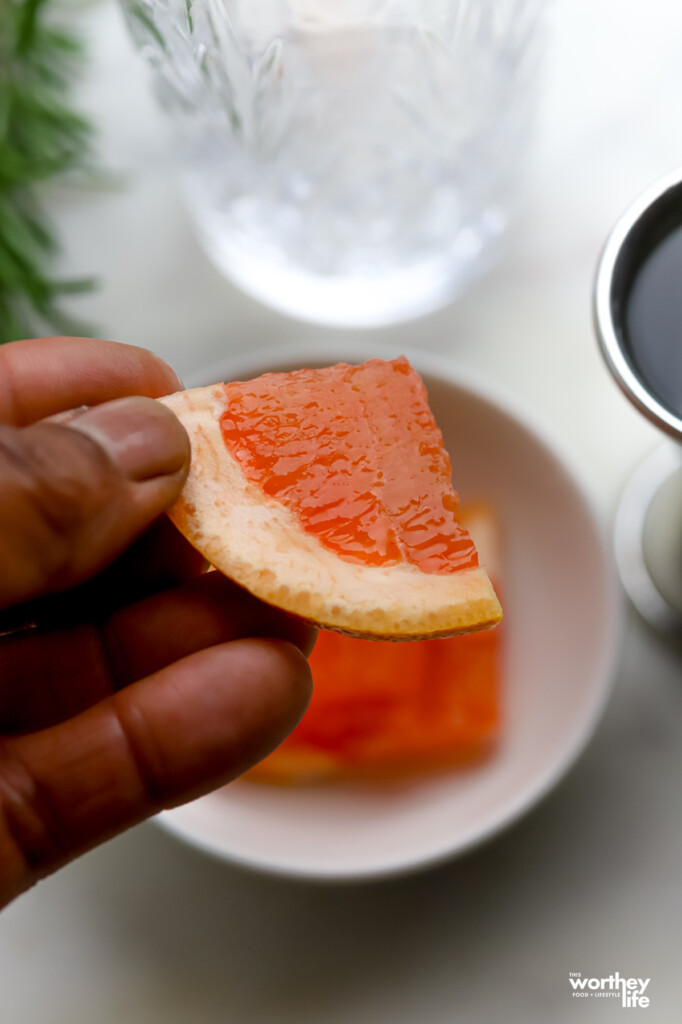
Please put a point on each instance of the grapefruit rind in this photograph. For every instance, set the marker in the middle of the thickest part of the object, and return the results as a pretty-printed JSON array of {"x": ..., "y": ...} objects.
[{"x": 259, "y": 543}]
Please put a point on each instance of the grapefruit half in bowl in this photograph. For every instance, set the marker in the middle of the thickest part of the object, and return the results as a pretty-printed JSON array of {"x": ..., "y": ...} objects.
[{"x": 561, "y": 629}]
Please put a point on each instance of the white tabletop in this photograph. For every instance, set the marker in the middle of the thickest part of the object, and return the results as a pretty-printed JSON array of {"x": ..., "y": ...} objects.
[{"x": 147, "y": 931}]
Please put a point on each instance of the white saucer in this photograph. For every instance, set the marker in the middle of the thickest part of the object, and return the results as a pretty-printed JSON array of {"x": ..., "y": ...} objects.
[{"x": 562, "y": 613}]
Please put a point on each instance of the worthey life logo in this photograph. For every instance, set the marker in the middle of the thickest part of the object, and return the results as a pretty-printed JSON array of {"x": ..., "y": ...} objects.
[{"x": 631, "y": 991}]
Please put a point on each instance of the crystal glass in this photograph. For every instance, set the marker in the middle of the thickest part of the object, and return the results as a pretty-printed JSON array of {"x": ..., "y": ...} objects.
[{"x": 350, "y": 162}]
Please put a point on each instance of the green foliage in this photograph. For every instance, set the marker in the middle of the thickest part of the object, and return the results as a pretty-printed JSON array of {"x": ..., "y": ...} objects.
[{"x": 40, "y": 138}]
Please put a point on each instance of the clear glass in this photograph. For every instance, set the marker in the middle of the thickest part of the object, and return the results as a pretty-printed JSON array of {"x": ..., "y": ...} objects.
[{"x": 350, "y": 162}]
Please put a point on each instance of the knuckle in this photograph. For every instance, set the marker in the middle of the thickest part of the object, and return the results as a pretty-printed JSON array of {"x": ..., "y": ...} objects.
[
  {"x": 58, "y": 472},
  {"x": 136, "y": 739},
  {"x": 28, "y": 820},
  {"x": 54, "y": 482}
]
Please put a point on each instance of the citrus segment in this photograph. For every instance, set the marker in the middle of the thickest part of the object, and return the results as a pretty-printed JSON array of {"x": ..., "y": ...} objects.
[
  {"x": 390, "y": 710},
  {"x": 379, "y": 708},
  {"x": 327, "y": 493}
]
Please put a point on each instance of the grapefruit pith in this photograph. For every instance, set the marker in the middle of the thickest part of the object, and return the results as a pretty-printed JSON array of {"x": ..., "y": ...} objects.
[{"x": 327, "y": 493}]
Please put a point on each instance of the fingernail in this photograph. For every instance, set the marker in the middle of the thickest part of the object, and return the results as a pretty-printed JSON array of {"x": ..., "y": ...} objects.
[{"x": 141, "y": 435}]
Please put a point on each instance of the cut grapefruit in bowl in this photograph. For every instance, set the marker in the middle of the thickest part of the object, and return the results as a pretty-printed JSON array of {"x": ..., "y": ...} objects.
[
  {"x": 561, "y": 629},
  {"x": 382, "y": 710},
  {"x": 327, "y": 492}
]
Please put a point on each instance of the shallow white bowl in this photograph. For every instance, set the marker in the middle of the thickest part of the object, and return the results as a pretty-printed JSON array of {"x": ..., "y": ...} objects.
[{"x": 561, "y": 613}]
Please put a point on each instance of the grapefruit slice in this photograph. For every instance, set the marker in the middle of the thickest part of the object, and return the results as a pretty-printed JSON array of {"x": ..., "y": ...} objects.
[
  {"x": 383, "y": 710},
  {"x": 327, "y": 493}
]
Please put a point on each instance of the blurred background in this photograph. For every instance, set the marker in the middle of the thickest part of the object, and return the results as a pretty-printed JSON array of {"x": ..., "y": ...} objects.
[{"x": 146, "y": 930}]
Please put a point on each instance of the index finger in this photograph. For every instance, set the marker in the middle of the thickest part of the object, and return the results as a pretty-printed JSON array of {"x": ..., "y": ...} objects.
[{"x": 43, "y": 376}]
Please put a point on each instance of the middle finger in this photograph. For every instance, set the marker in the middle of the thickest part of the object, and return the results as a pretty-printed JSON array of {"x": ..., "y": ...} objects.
[{"x": 46, "y": 677}]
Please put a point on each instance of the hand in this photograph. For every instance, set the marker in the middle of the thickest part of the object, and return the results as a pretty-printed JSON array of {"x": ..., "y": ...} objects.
[{"x": 147, "y": 682}]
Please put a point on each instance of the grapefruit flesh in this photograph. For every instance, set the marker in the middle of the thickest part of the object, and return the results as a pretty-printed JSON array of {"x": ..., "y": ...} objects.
[
  {"x": 327, "y": 493},
  {"x": 359, "y": 460}
]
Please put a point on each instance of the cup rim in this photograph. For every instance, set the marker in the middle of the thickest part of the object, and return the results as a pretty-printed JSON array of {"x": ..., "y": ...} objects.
[{"x": 634, "y": 220}]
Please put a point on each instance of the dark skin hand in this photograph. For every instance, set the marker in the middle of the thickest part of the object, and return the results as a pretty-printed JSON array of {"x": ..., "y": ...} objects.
[{"x": 149, "y": 681}]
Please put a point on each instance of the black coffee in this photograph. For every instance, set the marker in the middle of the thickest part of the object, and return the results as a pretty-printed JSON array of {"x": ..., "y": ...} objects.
[{"x": 653, "y": 321}]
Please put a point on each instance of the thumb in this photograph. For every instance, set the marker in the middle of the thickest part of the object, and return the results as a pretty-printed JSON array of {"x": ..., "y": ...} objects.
[{"x": 73, "y": 497}]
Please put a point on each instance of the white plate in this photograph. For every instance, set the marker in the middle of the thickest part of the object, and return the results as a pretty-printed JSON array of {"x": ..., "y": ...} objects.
[{"x": 561, "y": 613}]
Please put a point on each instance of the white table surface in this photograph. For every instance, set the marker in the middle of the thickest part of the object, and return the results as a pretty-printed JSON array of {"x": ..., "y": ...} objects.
[{"x": 147, "y": 931}]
